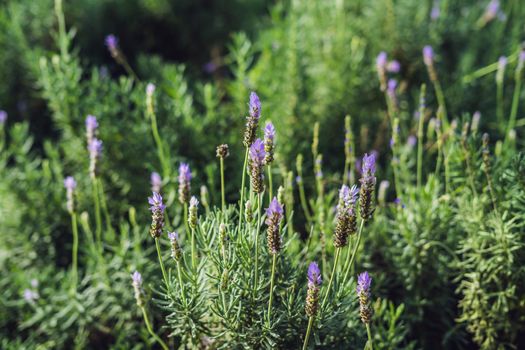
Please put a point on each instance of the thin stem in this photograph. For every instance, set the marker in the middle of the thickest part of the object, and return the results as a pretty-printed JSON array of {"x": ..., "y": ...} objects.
[
  {"x": 441, "y": 101},
  {"x": 304, "y": 204},
  {"x": 499, "y": 101},
  {"x": 223, "y": 198},
  {"x": 515, "y": 103},
  {"x": 257, "y": 232},
  {"x": 160, "y": 146},
  {"x": 420, "y": 137},
  {"x": 98, "y": 218},
  {"x": 308, "y": 331},
  {"x": 369, "y": 333},
  {"x": 150, "y": 329},
  {"x": 104, "y": 206},
  {"x": 334, "y": 271},
  {"x": 350, "y": 262},
  {"x": 270, "y": 182},
  {"x": 274, "y": 260},
  {"x": 164, "y": 276},
  {"x": 193, "y": 250},
  {"x": 75, "y": 250},
  {"x": 241, "y": 203}
]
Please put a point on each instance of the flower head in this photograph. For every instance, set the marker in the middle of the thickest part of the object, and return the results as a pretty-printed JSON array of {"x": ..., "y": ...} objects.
[
  {"x": 156, "y": 202},
  {"x": 369, "y": 164},
  {"x": 381, "y": 61},
  {"x": 274, "y": 209},
  {"x": 223, "y": 151},
  {"x": 255, "y": 106},
  {"x": 411, "y": 141},
  {"x": 368, "y": 182},
  {"x": 3, "y": 116},
  {"x": 521, "y": 57},
  {"x": 156, "y": 182},
  {"x": 393, "y": 66},
  {"x": 492, "y": 10},
  {"x": 363, "y": 283},
  {"x": 502, "y": 62},
  {"x": 30, "y": 296},
  {"x": 435, "y": 12},
  {"x": 111, "y": 42},
  {"x": 136, "y": 282},
  {"x": 269, "y": 131},
  {"x": 257, "y": 153},
  {"x": 184, "y": 182},
  {"x": 91, "y": 127},
  {"x": 184, "y": 173},
  {"x": 69, "y": 183},
  {"x": 274, "y": 215},
  {"x": 95, "y": 148},
  {"x": 150, "y": 89},
  {"x": 176, "y": 252},
  {"x": 428, "y": 55},
  {"x": 314, "y": 275}
]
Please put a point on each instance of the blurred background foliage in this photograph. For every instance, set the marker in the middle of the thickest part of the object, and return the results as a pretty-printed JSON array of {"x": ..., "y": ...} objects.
[{"x": 309, "y": 61}]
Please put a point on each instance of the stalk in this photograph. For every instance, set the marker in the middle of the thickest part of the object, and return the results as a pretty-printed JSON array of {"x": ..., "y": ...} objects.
[
  {"x": 223, "y": 200},
  {"x": 334, "y": 271},
  {"x": 420, "y": 136},
  {"x": 308, "y": 331},
  {"x": 98, "y": 219},
  {"x": 515, "y": 103},
  {"x": 257, "y": 232},
  {"x": 164, "y": 276},
  {"x": 75, "y": 249},
  {"x": 270, "y": 183},
  {"x": 242, "y": 187},
  {"x": 150, "y": 329},
  {"x": 369, "y": 333},
  {"x": 350, "y": 262},
  {"x": 182, "y": 293},
  {"x": 104, "y": 206},
  {"x": 274, "y": 260}
]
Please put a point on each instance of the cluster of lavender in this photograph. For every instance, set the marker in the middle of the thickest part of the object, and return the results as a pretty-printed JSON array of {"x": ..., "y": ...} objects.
[
  {"x": 274, "y": 216},
  {"x": 157, "y": 208},
  {"x": 368, "y": 183},
  {"x": 184, "y": 183},
  {"x": 256, "y": 164}
]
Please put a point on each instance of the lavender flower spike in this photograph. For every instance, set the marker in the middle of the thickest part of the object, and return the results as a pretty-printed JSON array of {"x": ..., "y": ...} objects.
[
  {"x": 274, "y": 215},
  {"x": 363, "y": 293},
  {"x": 157, "y": 208},
  {"x": 269, "y": 136},
  {"x": 502, "y": 63},
  {"x": 346, "y": 220},
  {"x": 3, "y": 117},
  {"x": 252, "y": 120},
  {"x": 428, "y": 55},
  {"x": 30, "y": 296},
  {"x": 192, "y": 218},
  {"x": 95, "y": 152},
  {"x": 381, "y": 65},
  {"x": 256, "y": 162},
  {"x": 111, "y": 42},
  {"x": 393, "y": 66},
  {"x": 91, "y": 128},
  {"x": 136, "y": 282},
  {"x": 156, "y": 182},
  {"x": 184, "y": 183},
  {"x": 70, "y": 184},
  {"x": 150, "y": 89},
  {"x": 368, "y": 182},
  {"x": 312, "y": 294}
]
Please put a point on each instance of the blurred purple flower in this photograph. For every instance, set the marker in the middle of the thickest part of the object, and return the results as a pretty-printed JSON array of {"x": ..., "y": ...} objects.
[
  {"x": 364, "y": 281},
  {"x": 257, "y": 153},
  {"x": 314, "y": 275},
  {"x": 3, "y": 116},
  {"x": 111, "y": 42},
  {"x": 156, "y": 182},
  {"x": 428, "y": 55},
  {"x": 156, "y": 203},
  {"x": 393, "y": 66},
  {"x": 255, "y": 106}
]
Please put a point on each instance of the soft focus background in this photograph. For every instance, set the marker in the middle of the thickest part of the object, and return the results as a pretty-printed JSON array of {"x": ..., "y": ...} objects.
[{"x": 445, "y": 277}]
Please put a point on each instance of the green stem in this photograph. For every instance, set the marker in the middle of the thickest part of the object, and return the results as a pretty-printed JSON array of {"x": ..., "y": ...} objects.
[
  {"x": 164, "y": 276},
  {"x": 270, "y": 182},
  {"x": 241, "y": 204},
  {"x": 350, "y": 262},
  {"x": 499, "y": 102},
  {"x": 304, "y": 204},
  {"x": 515, "y": 103},
  {"x": 193, "y": 250},
  {"x": 420, "y": 137},
  {"x": 75, "y": 249},
  {"x": 257, "y": 232},
  {"x": 369, "y": 333},
  {"x": 223, "y": 198},
  {"x": 334, "y": 271},
  {"x": 160, "y": 147},
  {"x": 98, "y": 218},
  {"x": 274, "y": 260},
  {"x": 150, "y": 329},
  {"x": 441, "y": 101},
  {"x": 308, "y": 331},
  {"x": 104, "y": 206}
]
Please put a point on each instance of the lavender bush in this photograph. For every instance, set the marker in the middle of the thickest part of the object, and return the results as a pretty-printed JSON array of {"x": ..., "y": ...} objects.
[{"x": 332, "y": 190}]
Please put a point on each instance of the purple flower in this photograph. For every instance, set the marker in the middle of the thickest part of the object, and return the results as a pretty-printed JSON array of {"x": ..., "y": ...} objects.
[
  {"x": 348, "y": 196},
  {"x": 95, "y": 148},
  {"x": 257, "y": 153},
  {"x": 255, "y": 106},
  {"x": 476, "y": 117},
  {"x": 136, "y": 282},
  {"x": 502, "y": 62},
  {"x": 30, "y": 296},
  {"x": 369, "y": 164},
  {"x": 91, "y": 127},
  {"x": 3, "y": 116},
  {"x": 364, "y": 282},
  {"x": 411, "y": 141},
  {"x": 298, "y": 179},
  {"x": 492, "y": 10},
  {"x": 274, "y": 209},
  {"x": 111, "y": 42},
  {"x": 173, "y": 236},
  {"x": 194, "y": 202},
  {"x": 34, "y": 283},
  {"x": 156, "y": 182},
  {"x": 428, "y": 55},
  {"x": 156, "y": 203},
  {"x": 521, "y": 57},
  {"x": 381, "y": 61},
  {"x": 314, "y": 275},
  {"x": 269, "y": 131},
  {"x": 368, "y": 182},
  {"x": 393, "y": 66},
  {"x": 435, "y": 12},
  {"x": 184, "y": 182},
  {"x": 346, "y": 215},
  {"x": 150, "y": 89},
  {"x": 210, "y": 67},
  {"x": 69, "y": 183},
  {"x": 392, "y": 85},
  {"x": 176, "y": 252}
]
